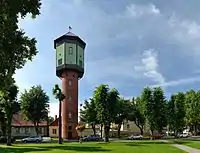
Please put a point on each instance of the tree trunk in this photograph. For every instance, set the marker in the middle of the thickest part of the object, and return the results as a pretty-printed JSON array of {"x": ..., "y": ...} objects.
[
  {"x": 94, "y": 129},
  {"x": 141, "y": 130},
  {"x": 60, "y": 124},
  {"x": 47, "y": 129},
  {"x": 101, "y": 130},
  {"x": 9, "y": 126},
  {"x": 140, "y": 127},
  {"x": 152, "y": 136},
  {"x": 3, "y": 129},
  {"x": 106, "y": 132},
  {"x": 36, "y": 129},
  {"x": 195, "y": 129},
  {"x": 118, "y": 130}
]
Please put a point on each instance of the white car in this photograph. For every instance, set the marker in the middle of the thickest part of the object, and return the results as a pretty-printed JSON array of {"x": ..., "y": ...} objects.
[
  {"x": 183, "y": 135},
  {"x": 135, "y": 137}
]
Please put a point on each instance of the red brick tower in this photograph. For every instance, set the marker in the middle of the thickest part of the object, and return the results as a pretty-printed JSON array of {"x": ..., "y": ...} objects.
[{"x": 69, "y": 68}]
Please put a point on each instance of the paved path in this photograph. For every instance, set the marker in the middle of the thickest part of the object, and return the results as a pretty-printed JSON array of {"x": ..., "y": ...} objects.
[{"x": 186, "y": 148}]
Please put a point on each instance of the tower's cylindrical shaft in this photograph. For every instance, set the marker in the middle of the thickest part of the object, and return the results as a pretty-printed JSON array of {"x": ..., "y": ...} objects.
[{"x": 70, "y": 105}]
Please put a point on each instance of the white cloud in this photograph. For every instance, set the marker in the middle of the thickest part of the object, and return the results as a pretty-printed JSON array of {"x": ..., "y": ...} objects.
[
  {"x": 183, "y": 81},
  {"x": 103, "y": 32},
  {"x": 140, "y": 10},
  {"x": 150, "y": 66}
]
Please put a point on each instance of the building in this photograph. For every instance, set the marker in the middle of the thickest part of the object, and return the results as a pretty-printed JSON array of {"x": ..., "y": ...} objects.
[
  {"x": 53, "y": 129},
  {"x": 22, "y": 128},
  {"x": 69, "y": 68}
]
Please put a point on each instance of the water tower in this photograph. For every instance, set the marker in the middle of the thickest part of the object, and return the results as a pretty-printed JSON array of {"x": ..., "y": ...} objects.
[{"x": 69, "y": 68}]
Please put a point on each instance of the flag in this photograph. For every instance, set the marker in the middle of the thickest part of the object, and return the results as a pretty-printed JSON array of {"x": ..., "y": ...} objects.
[{"x": 70, "y": 28}]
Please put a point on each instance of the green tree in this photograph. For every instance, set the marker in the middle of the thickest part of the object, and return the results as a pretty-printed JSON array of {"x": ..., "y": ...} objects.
[
  {"x": 16, "y": 48},
  {"x": 50, "y": 119},
  {"x": 122, "y": 112},
  {"x": 176, "y": 112},
  {"x": 89, "y": 114},
  {"x": 192, "y": 102},
  {"x": 57, "y": 92},
  {"x": 155, "y": 108},
  {"x": 106, "y": 102},
  {"x": 137, "y": 113},
  {"x": 35, "y": 105},
  {"x": 160, "y": 115},
  {"x": 10, "y": 106},
  {"x": 147, "y": 98}
]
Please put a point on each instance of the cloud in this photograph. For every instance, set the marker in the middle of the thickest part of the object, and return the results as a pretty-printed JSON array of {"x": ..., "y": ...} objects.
[
  {"x": 150, "y": 66},
  {"x": 139, "y": 10},
  {"x": 128, "y": 46},
  {"x": 183, "y": 81}
]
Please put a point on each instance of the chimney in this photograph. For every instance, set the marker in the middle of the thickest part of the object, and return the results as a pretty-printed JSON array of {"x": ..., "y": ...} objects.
[{"x": 56, "y": 117}]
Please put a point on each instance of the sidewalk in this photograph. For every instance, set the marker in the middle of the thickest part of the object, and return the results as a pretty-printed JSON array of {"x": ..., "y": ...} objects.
[{"x": 186, "y": 148}]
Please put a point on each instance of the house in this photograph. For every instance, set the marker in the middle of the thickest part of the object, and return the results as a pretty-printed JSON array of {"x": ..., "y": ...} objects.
[
  {"x": 22, "y": 128},
  {"x": 53, "y": 129}
]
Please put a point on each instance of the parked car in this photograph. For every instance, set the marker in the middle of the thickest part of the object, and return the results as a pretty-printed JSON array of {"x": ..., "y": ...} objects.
[
  {"x": 47, "y": 139},
  {"x": 182, "y": 135},
  {"x": 135, "y": 137},
  {"x": 36, "y": 139},
  {"x": 3, "y": 139},
  {"x": 91, "y": 138}
]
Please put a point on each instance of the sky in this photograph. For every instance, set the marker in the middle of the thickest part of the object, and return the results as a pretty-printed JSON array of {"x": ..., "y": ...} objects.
[{"x": 131, "y": 44}]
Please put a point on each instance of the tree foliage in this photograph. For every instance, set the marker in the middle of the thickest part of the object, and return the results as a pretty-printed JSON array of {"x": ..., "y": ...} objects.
[
  {"x": 192, "y": 102},
  {"x": 160, "y": 115},
  {"x": 15, "y": 47},
  {"x": 137, "y": 113},
  {"x": 155, "y": 108},
  {"x": 89, "y": 114},
  {"x": 122, "y": 111},
  {"x": 35, "y": 105},
  {"x": 176, "y": 112},
  {"x": 57, "y": 92},
  {"x": 106, "y": 101},
  {"x": 9, "y": 106}
]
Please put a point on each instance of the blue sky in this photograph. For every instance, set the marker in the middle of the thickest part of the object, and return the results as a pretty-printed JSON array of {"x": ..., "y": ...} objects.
[{"x": 130, "y": 44}]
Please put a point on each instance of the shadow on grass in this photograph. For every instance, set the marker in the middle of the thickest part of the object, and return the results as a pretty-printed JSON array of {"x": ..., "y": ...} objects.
[
  {"x": 75, "y": 148},
  {"x": 19, "y": 150},
  {"x": 143, "y": 143},
  {"x": 24, "y": 149},
  {"x": 181, "y": 141}
]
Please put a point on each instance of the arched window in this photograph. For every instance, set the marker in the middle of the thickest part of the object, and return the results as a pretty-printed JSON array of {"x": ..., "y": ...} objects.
[{"x": 70, "y": 115}]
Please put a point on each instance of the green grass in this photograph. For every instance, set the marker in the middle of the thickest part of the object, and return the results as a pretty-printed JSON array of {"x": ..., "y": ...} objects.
[
  {"x": 190, "y": 143},
  {"x": 114, "y": 147}
]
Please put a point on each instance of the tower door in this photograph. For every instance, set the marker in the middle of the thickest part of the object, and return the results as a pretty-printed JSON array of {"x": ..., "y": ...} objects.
[{"x": 69, "y": 134}]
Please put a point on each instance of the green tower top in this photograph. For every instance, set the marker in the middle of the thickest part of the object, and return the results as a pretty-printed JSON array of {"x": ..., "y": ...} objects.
[{"x": 69, "y": 54}]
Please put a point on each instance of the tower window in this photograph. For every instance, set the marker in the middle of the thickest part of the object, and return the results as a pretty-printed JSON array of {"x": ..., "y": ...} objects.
[
  {"x": 70, "y": 82},
  {"x": 60, "y": 61},
  {"x": 70, "y": 115},
  {"x": 69, "y": 127},
  {"x": 70, "y": 50},
  {"x": 69, "y": 98}
]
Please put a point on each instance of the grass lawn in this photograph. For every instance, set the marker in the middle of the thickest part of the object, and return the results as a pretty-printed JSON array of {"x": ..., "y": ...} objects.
[
  {"x": 87, "y": 147},
  {"x": 190, "y": 143}
]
